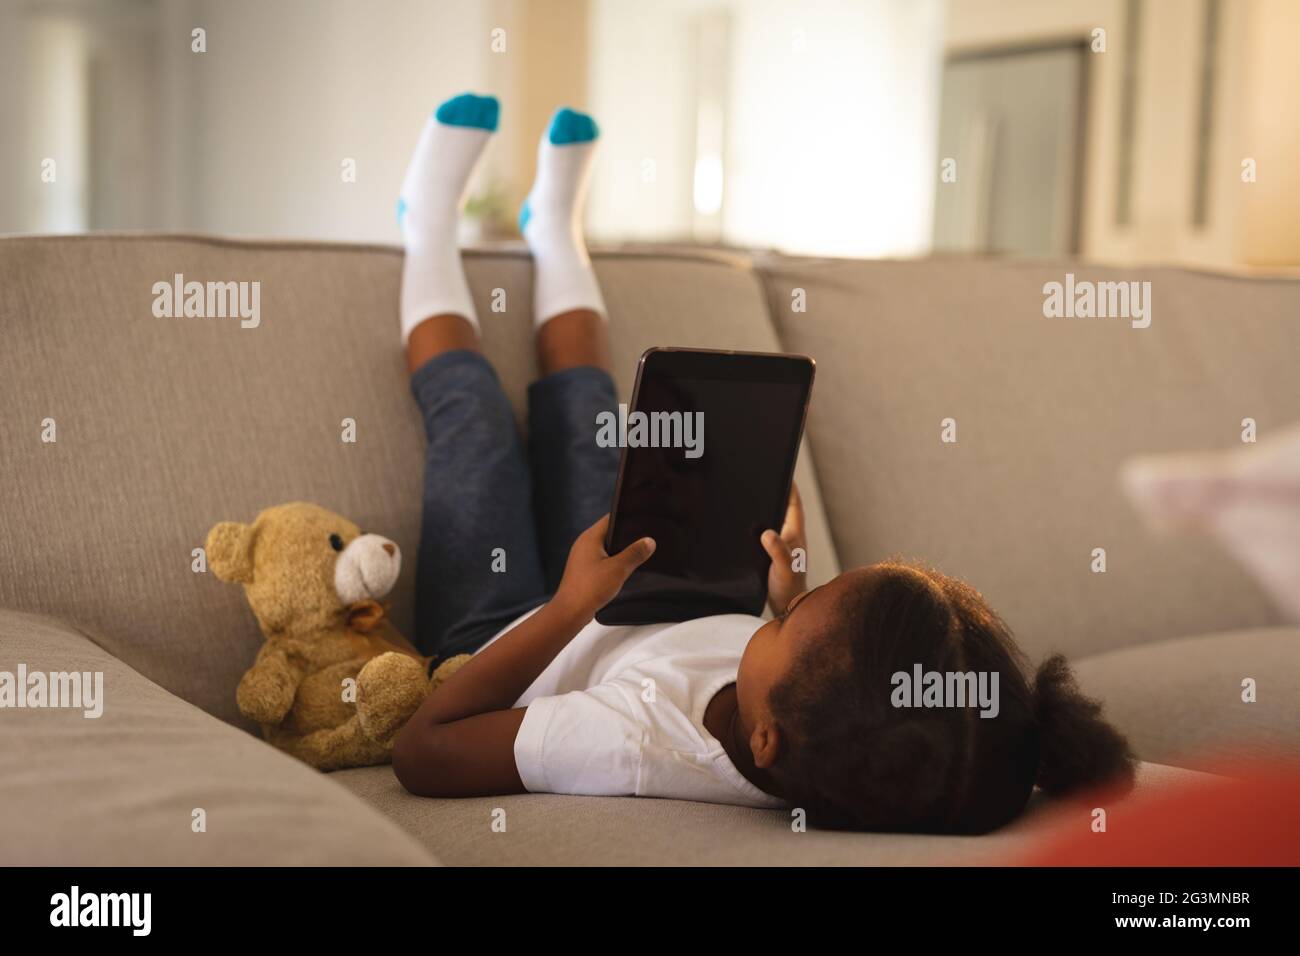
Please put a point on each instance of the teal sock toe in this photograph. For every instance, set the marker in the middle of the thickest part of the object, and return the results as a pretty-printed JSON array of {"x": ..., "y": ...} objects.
[
  {"x": 480, "y": 112},
  {"x": 525, "y": 213},
  {"x": 570, "y": 126}
]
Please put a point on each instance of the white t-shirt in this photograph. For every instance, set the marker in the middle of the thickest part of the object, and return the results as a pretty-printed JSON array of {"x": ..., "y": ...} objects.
[{"x": 620, "y": 712}]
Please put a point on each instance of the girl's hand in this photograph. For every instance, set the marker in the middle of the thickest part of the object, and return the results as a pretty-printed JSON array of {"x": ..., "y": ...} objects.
[
  {"x": 593, "y": 578},
  {"x": 784, "y": 583}
]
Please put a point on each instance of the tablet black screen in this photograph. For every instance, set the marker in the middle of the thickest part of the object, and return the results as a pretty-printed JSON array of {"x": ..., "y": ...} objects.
[{"x": 734, "y": 421}]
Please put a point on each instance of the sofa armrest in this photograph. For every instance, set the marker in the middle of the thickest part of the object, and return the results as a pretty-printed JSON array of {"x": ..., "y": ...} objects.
[
  {"x": 1180, "y": 701},
  {"x": 125, "y": 787}
]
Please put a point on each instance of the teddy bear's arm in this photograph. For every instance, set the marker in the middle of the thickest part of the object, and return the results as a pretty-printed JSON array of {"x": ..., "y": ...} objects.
[{"x": 267, "y": 690}]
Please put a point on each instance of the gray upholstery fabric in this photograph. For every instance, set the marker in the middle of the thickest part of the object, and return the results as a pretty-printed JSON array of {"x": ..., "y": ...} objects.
[
  {"x": 1046, "y": 410},
  {"x": 545, "y": 829},
  {"x": 1180, "y": 701},
  {"x": 120, "y": 789},
  {"x": 166, "y": 426}
]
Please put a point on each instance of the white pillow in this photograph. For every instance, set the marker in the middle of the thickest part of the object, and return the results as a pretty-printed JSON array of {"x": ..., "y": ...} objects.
[{"x": 1249, "y": 498}]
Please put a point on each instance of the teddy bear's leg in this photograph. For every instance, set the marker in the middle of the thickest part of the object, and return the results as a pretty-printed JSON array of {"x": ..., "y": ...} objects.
[
  {"x": 446, "y": 669},
  {"x": 390, "y": 689},
  {"x": 326, "y": 698},
  {"x": 335, "y": 748}
]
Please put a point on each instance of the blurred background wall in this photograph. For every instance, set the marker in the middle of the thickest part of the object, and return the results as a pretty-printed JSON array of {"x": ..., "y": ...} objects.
[{"x": 1119, "y": 130}]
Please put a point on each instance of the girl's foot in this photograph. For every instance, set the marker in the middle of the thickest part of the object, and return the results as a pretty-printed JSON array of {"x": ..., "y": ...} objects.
[
  {"x": 551, "y": 219},
  {"x": 433, "y": 194}
]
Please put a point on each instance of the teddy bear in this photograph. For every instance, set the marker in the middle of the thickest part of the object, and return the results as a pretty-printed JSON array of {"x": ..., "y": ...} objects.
[{"x": 335, "y": 681}]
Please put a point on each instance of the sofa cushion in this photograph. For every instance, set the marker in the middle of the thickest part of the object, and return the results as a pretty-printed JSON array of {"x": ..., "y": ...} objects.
[
  {"x": 121, "y": 789},
  {"x": 165, "y": 426},
  {"x": 554, "y": 830},
  {"x": 1180, "y": 701},
  {"x": 1046, "y": 410}
]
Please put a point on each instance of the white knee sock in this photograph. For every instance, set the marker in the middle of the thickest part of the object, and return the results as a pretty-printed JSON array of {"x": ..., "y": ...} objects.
[
  {"x": 551, "y": 219},
  {"x": 433, "y": 193},
  {"x": 1247, "y": 498}
]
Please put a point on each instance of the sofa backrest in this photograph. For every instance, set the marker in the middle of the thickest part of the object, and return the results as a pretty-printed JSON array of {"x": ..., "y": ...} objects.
[
  {"x": 1046, "y": 410},
  {"x": 165, "y": 426}
]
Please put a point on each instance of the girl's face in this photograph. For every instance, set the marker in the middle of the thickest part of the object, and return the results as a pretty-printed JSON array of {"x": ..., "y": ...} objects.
[{"x": 775, "y": 649}]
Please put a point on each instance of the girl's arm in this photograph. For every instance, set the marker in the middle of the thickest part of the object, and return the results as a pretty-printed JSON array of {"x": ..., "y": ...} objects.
[{"x": 461, "y": 740}]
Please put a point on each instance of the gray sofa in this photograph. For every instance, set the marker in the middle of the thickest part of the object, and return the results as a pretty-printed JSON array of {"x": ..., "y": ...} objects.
[{"x": 166, "y": 425}]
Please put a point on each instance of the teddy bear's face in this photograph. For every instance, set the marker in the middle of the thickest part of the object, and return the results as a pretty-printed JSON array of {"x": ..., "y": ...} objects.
[{"x": 303, "y": 566}]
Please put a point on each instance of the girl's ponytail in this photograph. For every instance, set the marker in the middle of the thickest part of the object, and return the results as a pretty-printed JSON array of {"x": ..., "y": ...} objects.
[{"x": 1078, "y": 749}]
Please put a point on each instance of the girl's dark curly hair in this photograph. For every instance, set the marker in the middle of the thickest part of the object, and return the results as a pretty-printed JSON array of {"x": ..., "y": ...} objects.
[{"x": 852, "y": 760}]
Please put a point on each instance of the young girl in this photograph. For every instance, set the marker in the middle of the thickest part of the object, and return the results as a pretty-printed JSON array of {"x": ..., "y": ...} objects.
[{"x": 799, "y": 711}]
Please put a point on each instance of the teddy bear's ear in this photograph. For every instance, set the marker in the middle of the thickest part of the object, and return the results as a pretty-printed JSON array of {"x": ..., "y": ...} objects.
[{"x": 230, "y": 551}]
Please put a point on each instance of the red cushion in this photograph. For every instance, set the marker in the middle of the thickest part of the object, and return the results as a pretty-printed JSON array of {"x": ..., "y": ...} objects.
[{"x": 1249, "y": 819}]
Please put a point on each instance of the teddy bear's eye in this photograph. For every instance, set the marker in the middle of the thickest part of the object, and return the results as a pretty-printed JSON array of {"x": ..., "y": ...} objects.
[{"x": 336, "y": 542}]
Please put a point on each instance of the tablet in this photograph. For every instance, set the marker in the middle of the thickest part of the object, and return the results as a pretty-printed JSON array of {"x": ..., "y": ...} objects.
[{"x": 708, "y": 449}]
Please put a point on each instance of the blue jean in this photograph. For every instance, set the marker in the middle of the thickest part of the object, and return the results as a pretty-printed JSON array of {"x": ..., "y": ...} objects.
[{"x": 481, "y": 495}]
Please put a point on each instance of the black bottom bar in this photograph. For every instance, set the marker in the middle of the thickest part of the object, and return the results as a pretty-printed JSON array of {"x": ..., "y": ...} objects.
[{"x": 365, "y": 907}]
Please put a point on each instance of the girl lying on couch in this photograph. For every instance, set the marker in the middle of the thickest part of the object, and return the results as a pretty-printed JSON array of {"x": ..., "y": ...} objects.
[{"x": 799, "y": 711}]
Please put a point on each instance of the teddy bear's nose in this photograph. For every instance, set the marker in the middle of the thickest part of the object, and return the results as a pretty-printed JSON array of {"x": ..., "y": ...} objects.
[{"x": 390, "y": 548}]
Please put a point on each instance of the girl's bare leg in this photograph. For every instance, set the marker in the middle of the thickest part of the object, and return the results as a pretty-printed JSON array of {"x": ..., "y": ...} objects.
[
  {"x": 570, "y": 339},
  {"x": 441, "y": 333}
]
